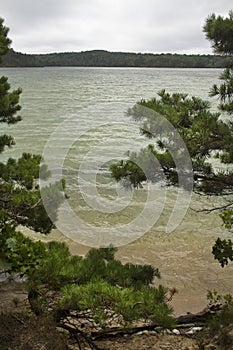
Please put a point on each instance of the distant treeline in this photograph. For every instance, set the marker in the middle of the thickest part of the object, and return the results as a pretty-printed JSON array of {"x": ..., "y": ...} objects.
[{"x": 101, "y": 58}]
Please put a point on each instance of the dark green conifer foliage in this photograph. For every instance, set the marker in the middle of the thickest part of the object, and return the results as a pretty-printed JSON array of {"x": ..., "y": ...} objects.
[
  {"x": 98, "y": 283},
  {"x": 206, "y": 134},
  {"x": 20, "y": 198},
  {"x": 219, "y": 31}
]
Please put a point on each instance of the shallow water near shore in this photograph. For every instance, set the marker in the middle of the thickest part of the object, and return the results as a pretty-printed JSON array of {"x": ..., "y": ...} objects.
[
  {"x": 62, "y": 96},
  {"x": 183, "y": 257}
]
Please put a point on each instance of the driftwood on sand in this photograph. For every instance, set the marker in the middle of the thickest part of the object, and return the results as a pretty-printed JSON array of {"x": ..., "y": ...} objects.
[{"x": 183, "y": 322}]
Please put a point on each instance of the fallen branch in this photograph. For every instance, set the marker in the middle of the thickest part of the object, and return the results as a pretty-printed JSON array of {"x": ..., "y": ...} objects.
[
  {"x": 116, "y": 331},
  {"x": 186, "y": 321}
]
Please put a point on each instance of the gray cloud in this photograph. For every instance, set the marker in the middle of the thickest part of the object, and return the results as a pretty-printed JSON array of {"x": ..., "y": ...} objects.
[{"x": 122, "y": 25}]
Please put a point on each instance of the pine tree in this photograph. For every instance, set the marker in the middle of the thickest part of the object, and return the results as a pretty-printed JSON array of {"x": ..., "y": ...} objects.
[
  {"x": 219, "y": 31},
  {"x": 205, "y": 134},
  {"x": 20, "y": 197}
]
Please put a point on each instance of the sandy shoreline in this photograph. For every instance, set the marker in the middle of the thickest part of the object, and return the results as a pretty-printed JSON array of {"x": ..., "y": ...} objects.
[{"x": 184, "y": 258}]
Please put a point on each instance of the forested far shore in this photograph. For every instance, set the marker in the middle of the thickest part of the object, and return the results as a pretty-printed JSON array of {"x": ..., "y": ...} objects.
[{"x": 101, "y": 58}]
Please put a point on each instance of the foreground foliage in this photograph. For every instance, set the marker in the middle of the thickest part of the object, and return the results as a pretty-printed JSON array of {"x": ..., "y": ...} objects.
[
  {"x": 207, "y": 136},
  {"x": 219, "y": 31},
  {"x": 20, "y": 198},
  {"x": 18, "y": 254},
  {"x": 98, "y": 283},
  {"x": 202, "y": 131},
  {"x": 59, "y": 283},
  {"x": 219, "y": 333}
]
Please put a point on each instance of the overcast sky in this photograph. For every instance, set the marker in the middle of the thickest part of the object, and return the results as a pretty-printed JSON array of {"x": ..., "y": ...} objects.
[{"x": 156, "y": 26}]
